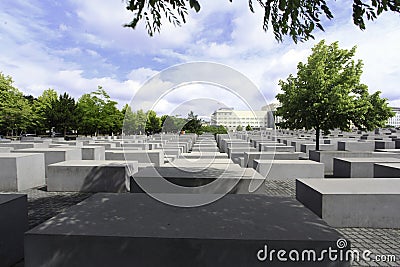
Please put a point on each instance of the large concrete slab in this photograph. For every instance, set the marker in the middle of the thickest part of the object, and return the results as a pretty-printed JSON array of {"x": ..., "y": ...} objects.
[
  {"x": 357, "y": 167},
  {"x": 13, "y": 224},
  {"x": 141, "y": 156},
  {"x": 355, "y": 146},
  {"x": 22, "y": 145},
  {"x": 91, "y": 176},
  {"x": 327, "y": 157},
  {"x": 289, "y": 169},
  {"x": 54, "y": 155},
  {"x": 249, "y": 157},
  {"x": 135, "y": 229},
  {"x": 204, "y": 155},
  {"x": 6, "y": 149},
  {"x": 20, "y": 171},
  {"x": 353, "y": 202},
  {"x": 387, "y": 170},
  {"x": 93, "y": 153},
  {"x": 198, "y": 178}
]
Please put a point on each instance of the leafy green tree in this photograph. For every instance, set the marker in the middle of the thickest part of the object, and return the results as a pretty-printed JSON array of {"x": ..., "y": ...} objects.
[
  {"x": 248, "y": 128},
  {"x": 327, "y": 94},
  {"x": 89, "y": 119},
  {"x": 153, "y": 123},
  {"x": 15, "y": 111},
  {"x": 193, "y": 124},
  {"x": 239, "y": 128},
  {"x": 130, "y": 124},
  {"x": 141, "y": 120},
  {"x": 41, "y": 107},
  {"x": 295, "y": 18},
  {"x": 168, "y": 124},
  {"x": 63, "y": 113},
  {"x": 99, "y": 114},
  {"x": 214, "y": 129}
]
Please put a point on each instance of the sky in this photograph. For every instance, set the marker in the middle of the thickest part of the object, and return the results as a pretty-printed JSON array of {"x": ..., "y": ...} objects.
[{"x": 74, "y": 46}]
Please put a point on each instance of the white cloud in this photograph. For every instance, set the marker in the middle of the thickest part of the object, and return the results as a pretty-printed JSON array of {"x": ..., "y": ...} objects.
[{"x": 34, "y": 56}]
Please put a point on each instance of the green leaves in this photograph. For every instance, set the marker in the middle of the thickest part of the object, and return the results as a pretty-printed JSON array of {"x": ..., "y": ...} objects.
[
  {"x": 327, "y": 94},
  {"x": 99, "y": 113},
  {"x": 294, "y": 18},
  {"x": 15, "y": 111}
]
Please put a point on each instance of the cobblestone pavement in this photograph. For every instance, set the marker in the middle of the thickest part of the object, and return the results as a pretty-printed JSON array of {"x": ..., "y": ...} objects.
[{"x": 43, "y": 205}]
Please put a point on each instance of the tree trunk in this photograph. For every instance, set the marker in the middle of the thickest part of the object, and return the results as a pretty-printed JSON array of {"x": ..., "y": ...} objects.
[{"x": 317, "y": 138}]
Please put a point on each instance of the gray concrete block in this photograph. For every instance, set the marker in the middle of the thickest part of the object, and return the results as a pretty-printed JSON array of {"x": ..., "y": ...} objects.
[
  {"x": 141, "y": 156},
  {"x": 357, "y": 167},
  {"x": 289, "y": 169},
  {"x": 356, "y": 146},
  {"x": 54, "y": 155},
  {"x": 387, "y": 170},
  {"x": 203, "y": 155},
  {"x": 20, "y": 171},
  {"x": 93, "y": 153},
  {"x": 13, "y": 224},
  {"x": 91, "y": 176},
  {"x": 198, "y": 178},
  {"x": 6, "y": 149},
  {"x": 354, "y": 202},
  {"x": 327, "y": 157},
  {"x": 134, "y": 229},
  {"x": 249, "y": 157}
]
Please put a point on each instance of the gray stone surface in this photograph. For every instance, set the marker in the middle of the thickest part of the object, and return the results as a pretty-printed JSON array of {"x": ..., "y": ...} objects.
[
  {"x": 197, "y": 178},
  {"x": 205, "y": 155},
  {"x": 355, "y": 146},
  {"x": 249, "y": 157},
  {"x": 93, "y": 153},
  {"x": 357, "y": 167},
  {"x": 141, "y": 156},
  {"x": 6, "y": 149},
  {"x": 13, "y": 224},
  {"x": 327, "y": 157},
  {"x": 54, "y": 155},
  {"x": 91, "y": 176},
  {"x": 353, "y": 202},
  {"x": 387, "y": 170},
  {"x": 20, "y": 171},
  {"x": 105, "y": 230},
  {"x": 289, "y": 169}
]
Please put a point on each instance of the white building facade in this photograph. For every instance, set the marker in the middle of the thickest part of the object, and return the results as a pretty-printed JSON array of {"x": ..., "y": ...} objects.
[
  {"x": 395, "y": 121},
  {"x": 231, "y": 118}
]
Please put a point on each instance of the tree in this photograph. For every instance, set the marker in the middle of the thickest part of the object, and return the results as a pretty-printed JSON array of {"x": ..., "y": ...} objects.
[
  {"x": 41, "y": 108},
  {"x": 15, "y": 111},
  {"x": 168, "y": 124},
  {"x": 63, "y": 113},
  {"x": 99, "y": 113},
  {"x": 327, "y": 94},
  {"x": 239, "y": 128},
  {"x": 193, "y": 124},
  {"x": 129, "y": 123},
  {"x": 153, "y": 123},
  {"x": 214, "y": 129},
  {"x": 248, "y": 128},
  {"x": 296, "y": 18}
]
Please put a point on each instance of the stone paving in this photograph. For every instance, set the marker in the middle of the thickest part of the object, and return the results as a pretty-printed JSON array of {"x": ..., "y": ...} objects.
[{"x": 383, "y": 242}]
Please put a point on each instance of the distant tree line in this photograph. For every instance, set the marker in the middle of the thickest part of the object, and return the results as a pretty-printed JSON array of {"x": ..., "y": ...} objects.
[{"x": 92, "y": 114}]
